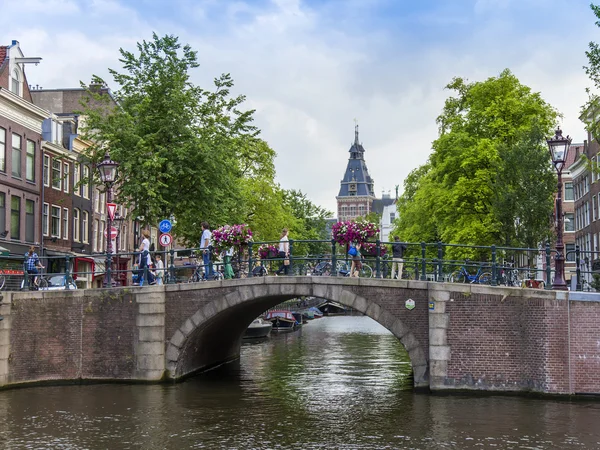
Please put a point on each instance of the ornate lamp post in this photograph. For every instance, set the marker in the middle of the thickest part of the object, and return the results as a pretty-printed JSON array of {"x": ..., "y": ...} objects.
[
  {"x": 559, "y": 147},
  {"x": 108, "y": 175}
]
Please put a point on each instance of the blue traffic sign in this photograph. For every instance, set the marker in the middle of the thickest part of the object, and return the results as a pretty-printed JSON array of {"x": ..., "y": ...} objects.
[{"x": 165, "y": 226}]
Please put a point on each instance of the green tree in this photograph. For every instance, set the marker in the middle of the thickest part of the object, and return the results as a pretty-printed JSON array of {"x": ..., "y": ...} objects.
[
  {"x": 180, "y": 147},
  {"x": 591, "y": 109},
  {"x": 489, "y": 179}
]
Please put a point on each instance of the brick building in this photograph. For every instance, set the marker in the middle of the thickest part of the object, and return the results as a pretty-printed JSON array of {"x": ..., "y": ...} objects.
[{"x": 20, "y": 154}]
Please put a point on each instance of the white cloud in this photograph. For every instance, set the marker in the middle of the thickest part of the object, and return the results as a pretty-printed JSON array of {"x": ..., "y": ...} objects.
[{"x": 309, "y": 71}]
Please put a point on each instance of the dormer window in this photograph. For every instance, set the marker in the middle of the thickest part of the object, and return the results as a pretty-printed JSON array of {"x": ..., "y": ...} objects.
[{"x": 15, "y": 79}]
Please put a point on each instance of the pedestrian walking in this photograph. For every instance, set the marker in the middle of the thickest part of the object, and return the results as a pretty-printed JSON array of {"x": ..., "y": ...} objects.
[
  {"x": 160, "y": 269},
  {"x": 284, "y": 253},
  {"x": 398, "y": 249},
  {"x": 356, "y": 265},
  {"x": 205, "y": 249},
  {"x": 145, "y": 260}
]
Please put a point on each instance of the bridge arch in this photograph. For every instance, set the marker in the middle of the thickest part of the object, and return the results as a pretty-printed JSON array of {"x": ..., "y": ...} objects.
[{"x": 213, "y": 334}]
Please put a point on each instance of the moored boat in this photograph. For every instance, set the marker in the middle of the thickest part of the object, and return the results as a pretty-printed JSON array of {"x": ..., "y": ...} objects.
[
  {"x": 316, "y": 312},
  {"x": 259, "y": 328},
  {"x": 282, "y": 320}
]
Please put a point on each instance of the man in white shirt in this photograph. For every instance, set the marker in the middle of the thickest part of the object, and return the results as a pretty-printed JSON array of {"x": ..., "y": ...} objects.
[{"x": 205, "y": 249}]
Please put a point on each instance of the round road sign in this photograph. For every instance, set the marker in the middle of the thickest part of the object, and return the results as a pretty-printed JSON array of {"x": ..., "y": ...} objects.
[
  {"x": 165, "y": 239},
  {"x": 113, "y": 233},
  {"x": 165, "y": 226}
]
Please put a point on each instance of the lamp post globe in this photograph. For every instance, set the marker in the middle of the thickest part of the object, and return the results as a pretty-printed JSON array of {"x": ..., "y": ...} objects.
[
  {"x": 559, "y": 149},
  {"x": 108, "y": 174}
]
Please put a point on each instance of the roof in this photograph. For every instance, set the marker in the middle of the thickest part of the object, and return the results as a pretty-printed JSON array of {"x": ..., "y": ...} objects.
[
  {"x": 356, "y": 172},
  {"x": 380, "y": 203},
  {"x": 3, "y": 56}
]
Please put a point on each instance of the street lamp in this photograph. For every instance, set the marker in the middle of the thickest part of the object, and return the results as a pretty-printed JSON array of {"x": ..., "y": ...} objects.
[
  {"x": 559, "y": 147},
  {"x": 108, "y": 174}
]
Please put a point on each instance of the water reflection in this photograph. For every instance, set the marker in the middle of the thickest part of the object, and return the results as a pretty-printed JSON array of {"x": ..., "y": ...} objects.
[{"x": 341, "y": 382}]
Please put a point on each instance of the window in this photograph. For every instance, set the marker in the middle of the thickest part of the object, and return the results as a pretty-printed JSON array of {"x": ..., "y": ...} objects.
[
  {"x": 2, "y": 150},
  {"x": 76, "y": 225},
  {"x": 361, "y": 210},
  {"x": 55, "y": 225},
  {"x": 569, "y": 222},
  {"x": 570, "y": 252},
  {"x": 56, "y": 174},
  {"x": 65, "y": 224},
  {"x": 45, "y": 218},
  {"x": 392, "y": 217},
  {"x": 101, "y": 237},
  {"x": 16, "y": 156},
  {"x": 29, "y": 220},
  {"x": 102, "y": 203},
  {"x": 123, "y": 238},
  {"x": 76, "y": 179},
  {"x": 66, "y": 170},
  {"x": 84, "y": 226},
  {"x": 15, "y": 85},
  {"x": 46, "y": 171},
  {"x": 95, "y": 235},
  {"x": 352, "y": 210},
  {"x": 30, "y": 162},
  {"x": 86, "y": 186},
  {"x": 15, "y": 217},
  {"x": 96, "y": 200},
  {"x": 2, "y": 212},
  {"x": 568, "y": 191},
  {"x": 594, "y": 207}
]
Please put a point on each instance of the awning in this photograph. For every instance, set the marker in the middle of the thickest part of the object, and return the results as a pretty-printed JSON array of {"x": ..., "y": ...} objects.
[
  {"x": 4, "y": 251},
  {"x": 99, "y": 267},
  {"x": 87, "y": 259}
]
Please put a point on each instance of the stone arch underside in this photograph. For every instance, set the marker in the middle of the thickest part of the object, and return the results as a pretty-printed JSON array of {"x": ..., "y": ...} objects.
[{"x": 213, "y": 334}]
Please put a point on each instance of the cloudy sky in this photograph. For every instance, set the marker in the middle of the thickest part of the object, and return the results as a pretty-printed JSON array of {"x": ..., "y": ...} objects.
[{"x": 311, "y": 67}]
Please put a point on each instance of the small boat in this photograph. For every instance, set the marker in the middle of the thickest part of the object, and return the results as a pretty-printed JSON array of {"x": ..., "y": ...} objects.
[
  {"x": 316, "y": 311},
  {"x": 282, "y": 320},
  {"x": 331, "y": 308},
  {"x": 259, "y": 328},
  {"x": 308, "y": 315},
  {"x": 299, "y": 318}
]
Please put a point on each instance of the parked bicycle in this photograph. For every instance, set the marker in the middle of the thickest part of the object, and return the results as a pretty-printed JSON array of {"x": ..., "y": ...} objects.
[
  {"x": 462, "y": 275},
  {"x": 508, "y": 275}
]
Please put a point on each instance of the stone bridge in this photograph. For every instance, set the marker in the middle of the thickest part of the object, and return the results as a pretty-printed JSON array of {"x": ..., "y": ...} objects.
[{"x": 467, "y": 337}]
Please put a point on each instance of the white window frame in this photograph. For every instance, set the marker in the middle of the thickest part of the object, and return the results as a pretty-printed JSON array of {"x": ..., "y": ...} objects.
[
  {"x": 52, "y": 217},
  {"x": 59, "y": 178},
  {"x": 46, "y": 219},
  {"x": 46, "y": 171},
  {"x": 65, "y": 224},
  {"x": 66, "y": 172},
  {"x": 76, "y": 225},
  {"x": 76, "y": 179},
  {"x": 85, "y": 218},
  {"x": 95, "y": 234},
  {"x": 86, "y": 186}
]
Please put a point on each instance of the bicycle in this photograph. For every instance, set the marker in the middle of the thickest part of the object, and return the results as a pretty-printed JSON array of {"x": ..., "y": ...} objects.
[
  {"x": 509, "y": 276},
  {"x": 462, "y": 275},
  {"x": 343, "y": 269}
]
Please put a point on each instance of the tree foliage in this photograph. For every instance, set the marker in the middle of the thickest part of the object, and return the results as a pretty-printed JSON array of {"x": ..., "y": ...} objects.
[
  {"x": 591, "y": 109},
  {"x": 489, "y": 179},
  {"x": 188, "y": 152}
]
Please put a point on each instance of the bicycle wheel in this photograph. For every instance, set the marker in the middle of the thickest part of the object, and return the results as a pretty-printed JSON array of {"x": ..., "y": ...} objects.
[
  {"x": 42, "y": 284},
  {"x": 457, "y": 277},
  {"x": 2, "y": 280},
  {"x": 485, "y": 278},
  {"x": 365, "y": 272}
]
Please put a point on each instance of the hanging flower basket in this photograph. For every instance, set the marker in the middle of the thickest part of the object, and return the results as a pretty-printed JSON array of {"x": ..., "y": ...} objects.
[
  {"x": 346, "y": 232},
  {"x": 230, "y": 236},
  {"x": 266, "y": 251}
]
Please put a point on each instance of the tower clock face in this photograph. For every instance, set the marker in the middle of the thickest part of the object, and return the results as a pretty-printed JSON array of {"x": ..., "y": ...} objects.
[{"x": 353, "y": 187}]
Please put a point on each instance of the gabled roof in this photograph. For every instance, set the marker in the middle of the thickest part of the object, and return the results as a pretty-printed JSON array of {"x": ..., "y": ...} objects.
[
  {"x": 356, "y": 172},
  {"x": 380, "y": 203}
]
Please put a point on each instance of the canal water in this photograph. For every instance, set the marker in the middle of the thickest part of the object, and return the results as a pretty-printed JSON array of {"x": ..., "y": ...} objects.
[{"x": 339, "y": 383}]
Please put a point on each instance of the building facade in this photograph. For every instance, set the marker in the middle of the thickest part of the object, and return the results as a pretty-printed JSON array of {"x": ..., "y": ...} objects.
[{"x": 20, "y": 155}]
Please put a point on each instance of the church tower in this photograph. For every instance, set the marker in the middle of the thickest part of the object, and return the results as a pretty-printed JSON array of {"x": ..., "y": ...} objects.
[{"x": 356, "y": 195}]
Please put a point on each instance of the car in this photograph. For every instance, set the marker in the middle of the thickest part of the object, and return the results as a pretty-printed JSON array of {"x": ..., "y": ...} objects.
[{"x": 58, "y": 283}]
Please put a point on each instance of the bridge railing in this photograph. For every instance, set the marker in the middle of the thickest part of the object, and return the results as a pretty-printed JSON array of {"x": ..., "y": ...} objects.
[{"x": 437, "y": 261}]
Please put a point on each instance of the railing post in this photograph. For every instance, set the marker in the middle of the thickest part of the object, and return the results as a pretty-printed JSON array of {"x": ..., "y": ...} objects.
[
  {"x": 171, "y": 278},
  {"x": 291, "y": 258},
  {"x": 146, "y": 273},
  {"x": 67, "y": 272},
  {"x": 579, "y": 285},
  {"x": 440, "y": 259},
  {"x": 548, "y": 267},
  {"x": 423, "y": 268},
  {"x": 377, "y": 258},
  {"x": 416, "y": 268},
  {"x": 494, "y": 268},
  {"x": 333, "y": 259},
  {"x": 25, "y": 276},
  {"x": 250, "y": 260}
]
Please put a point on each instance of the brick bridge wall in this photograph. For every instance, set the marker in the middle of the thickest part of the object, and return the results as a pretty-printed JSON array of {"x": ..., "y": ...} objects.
[{"x": 458, "y": 336}]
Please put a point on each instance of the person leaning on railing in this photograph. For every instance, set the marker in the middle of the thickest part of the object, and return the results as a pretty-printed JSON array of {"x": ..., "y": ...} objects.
[{"x": 32, "y": 264}]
